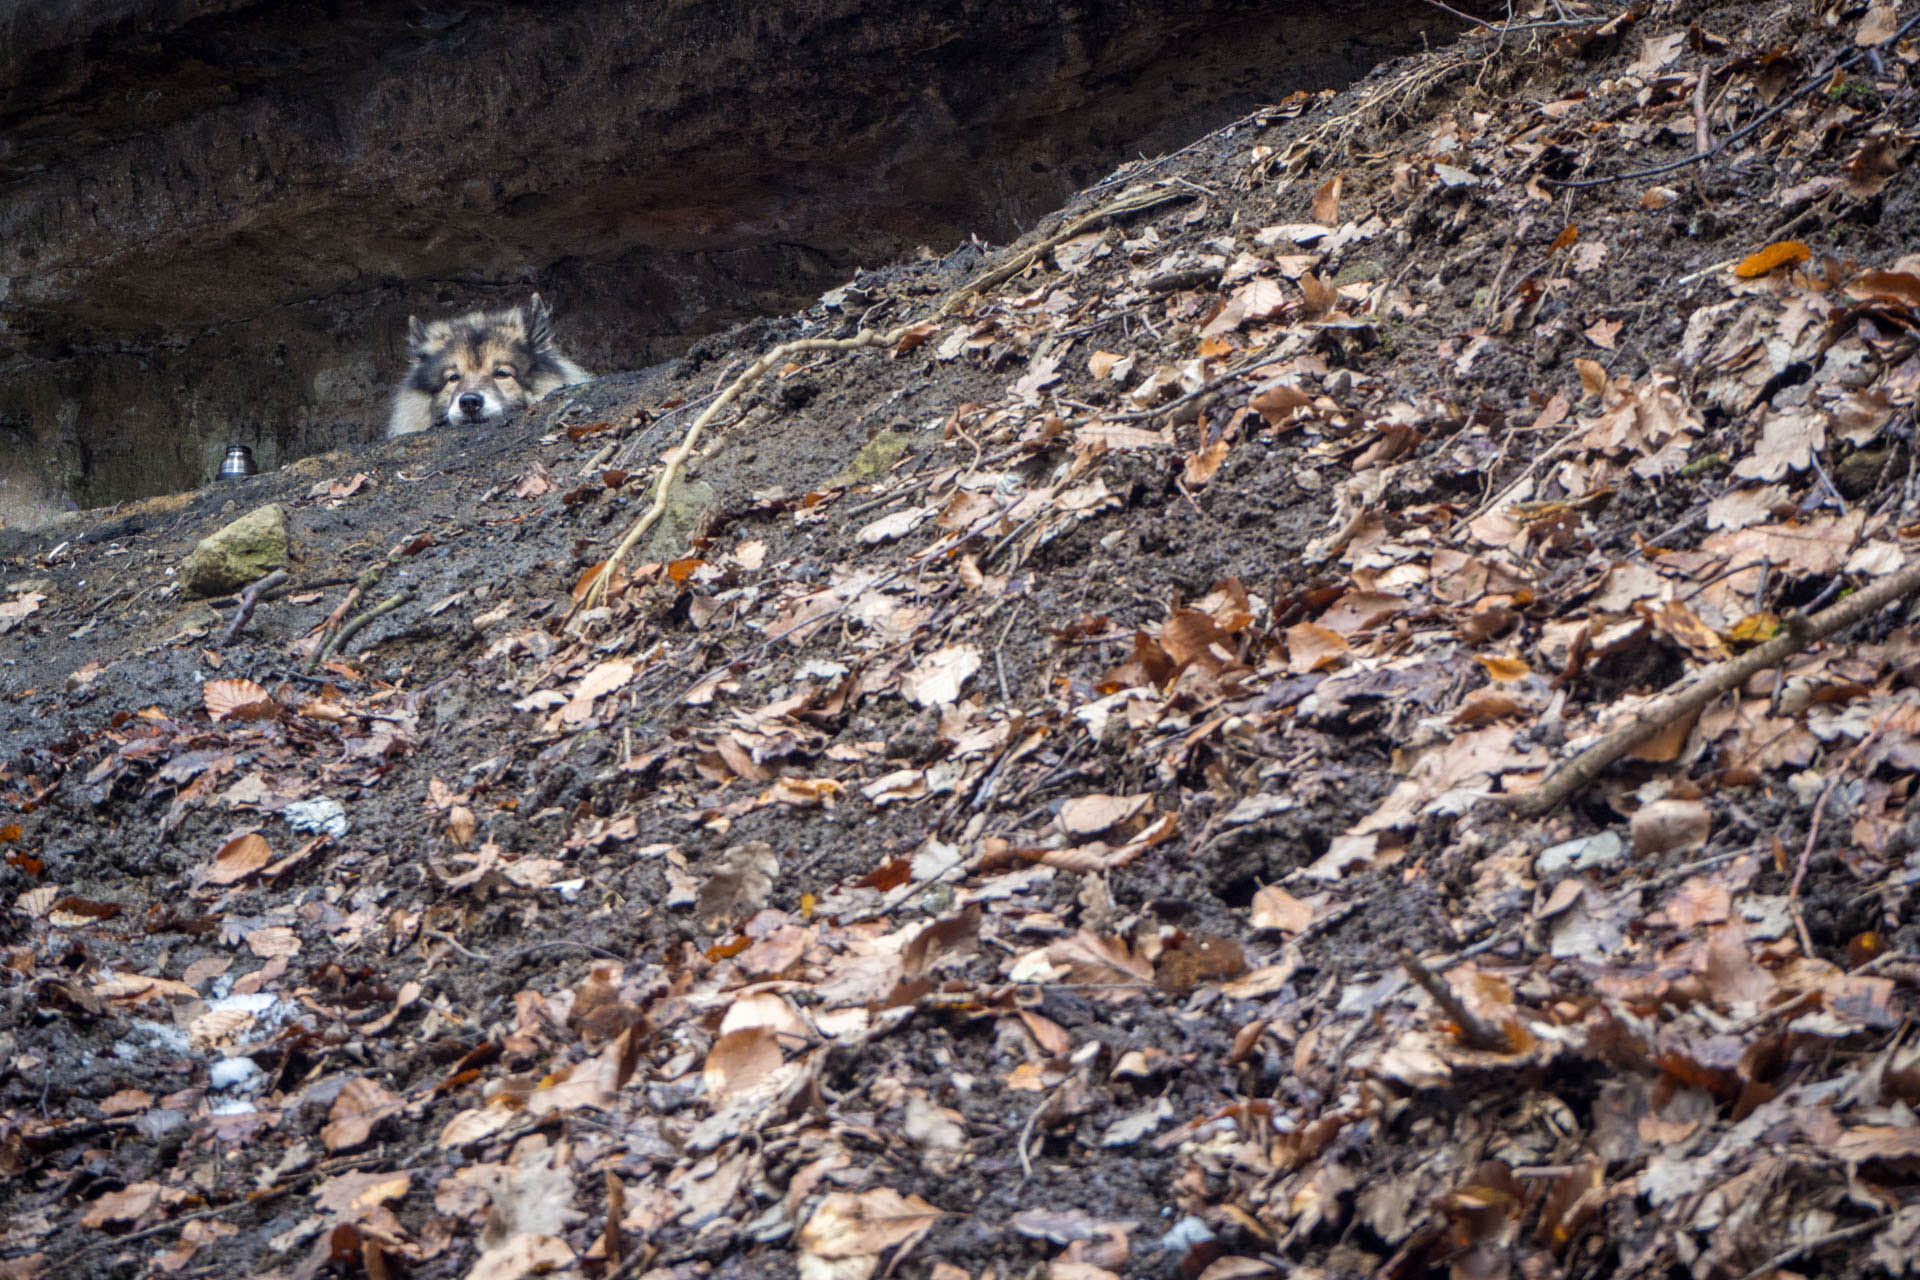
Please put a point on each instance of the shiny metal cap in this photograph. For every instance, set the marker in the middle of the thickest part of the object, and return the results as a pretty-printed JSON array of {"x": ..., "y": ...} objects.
[{"x": 238, "y": 464}]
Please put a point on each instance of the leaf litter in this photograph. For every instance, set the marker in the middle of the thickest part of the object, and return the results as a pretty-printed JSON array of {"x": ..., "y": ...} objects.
[{"x": 1050, "y": 809}]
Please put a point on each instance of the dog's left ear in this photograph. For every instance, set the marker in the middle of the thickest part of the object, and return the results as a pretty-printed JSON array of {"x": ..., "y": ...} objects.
[
  {"x": 539, "y": 322},
  {"x": 416, "y": 336}
]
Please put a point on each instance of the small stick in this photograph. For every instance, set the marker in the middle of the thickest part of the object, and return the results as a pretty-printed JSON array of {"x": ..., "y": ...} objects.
[
  {"x": 249, "y": 598},
  {"x": 1801, "y": 632},
  {"x": 352, "y": 628},
  {"x": 1813, "y": 836},
  {"x": 1473, "y": 1030}
]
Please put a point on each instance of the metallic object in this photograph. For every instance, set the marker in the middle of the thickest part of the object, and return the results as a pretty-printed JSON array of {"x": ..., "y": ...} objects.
[{"x": 238, "y": 464}]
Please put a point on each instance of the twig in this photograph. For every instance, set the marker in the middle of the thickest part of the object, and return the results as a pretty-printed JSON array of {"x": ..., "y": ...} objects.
[
  {"x": 1473, "y": 1029},
  {"x": 606, "y": 451},
  {"x": 1800, "y": 633},
  {"x": 326, "y": 639},
  {"x": 1806, "y": 86},
  {"x": 249, "y": 598},
  {"x": 1702, "y": 132},
  {"x": 353, "y": 627},
  {"x": 1813, "y": 835},
  {"x": 1464, "y": 17},
  {"x": 1782, "y": 1258}
]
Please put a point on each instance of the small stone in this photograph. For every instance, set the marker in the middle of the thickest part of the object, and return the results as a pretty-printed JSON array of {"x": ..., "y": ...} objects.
[
  {"x": 1585, "y": 854},
  {"x": 324, "y": 816},
  {"x": 233, "y": 1073},
  {"x": 245, "y": 551}
]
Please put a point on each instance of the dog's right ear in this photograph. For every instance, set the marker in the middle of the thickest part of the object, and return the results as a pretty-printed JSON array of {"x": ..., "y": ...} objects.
[{"x": 416, "y": 336}]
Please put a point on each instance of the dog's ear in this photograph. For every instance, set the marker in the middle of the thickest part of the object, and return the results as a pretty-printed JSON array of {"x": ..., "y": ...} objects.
[
  {"x": 416, "y": 336},
  {"x": 539, "y": 321}
]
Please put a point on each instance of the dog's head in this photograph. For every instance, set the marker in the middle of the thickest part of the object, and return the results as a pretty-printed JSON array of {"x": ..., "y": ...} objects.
[{"x": 478, "y": 366}]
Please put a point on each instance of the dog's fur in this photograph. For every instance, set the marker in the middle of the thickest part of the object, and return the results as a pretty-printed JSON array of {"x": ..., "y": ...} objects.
[{"x": 473, "y": 368}]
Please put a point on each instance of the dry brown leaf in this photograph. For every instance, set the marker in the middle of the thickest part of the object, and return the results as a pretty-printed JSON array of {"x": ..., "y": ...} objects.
[
  {"x": 741, "y": 1059},
  {"x": 1090, "y": 958},
  {"x": 1275, "y": 908},
  {"x": 239, "y": 858},
  {"x": 275, "y": 940},
  {"x": 128, "y": 1204},
  {"x": 1666, "y": 825},
  {"x": 938, "y": 677},
  {"x": 1200, "y": 467},
  {"x": 354, "y": 1196},
  {"x": 361, "y": 1105},
  {"x": 1326, "y": 201},
  {"x": 1887, "y": 286},
  {"x": 1311, "y": 647},
  {"x": 850, "y": 1225},
  {"x": 1090, "y": 815},
  {"x": 237, "y": 700}
]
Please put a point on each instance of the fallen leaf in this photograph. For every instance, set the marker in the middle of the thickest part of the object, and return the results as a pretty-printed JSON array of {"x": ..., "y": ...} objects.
[{"x": 1783, "y": 253}]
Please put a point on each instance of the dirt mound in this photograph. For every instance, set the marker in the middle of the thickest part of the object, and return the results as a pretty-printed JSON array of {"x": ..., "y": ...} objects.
[{"x": 1045, "y": 795}]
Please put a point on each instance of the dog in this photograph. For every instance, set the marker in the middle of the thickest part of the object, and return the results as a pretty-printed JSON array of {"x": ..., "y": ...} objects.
[{"x": 472, "y": 369}]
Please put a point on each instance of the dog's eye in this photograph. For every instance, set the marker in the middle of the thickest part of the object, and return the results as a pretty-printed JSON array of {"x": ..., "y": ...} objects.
[
  {"x": 504, "y": 372},
  {"x": 451, "y": 375}
]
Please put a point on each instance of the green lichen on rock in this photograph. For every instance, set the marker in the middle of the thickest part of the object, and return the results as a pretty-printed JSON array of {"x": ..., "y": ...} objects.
[
  {"x": 248, "y": 549},
  {"x": 876, "y": 458}
]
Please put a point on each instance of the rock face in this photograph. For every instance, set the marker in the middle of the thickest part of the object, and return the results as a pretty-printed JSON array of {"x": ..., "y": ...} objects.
[{"x": 218, "y": 214}]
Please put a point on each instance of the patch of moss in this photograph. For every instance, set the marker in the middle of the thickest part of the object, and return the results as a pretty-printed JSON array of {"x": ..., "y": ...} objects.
[{"x": 875, "y": 458}]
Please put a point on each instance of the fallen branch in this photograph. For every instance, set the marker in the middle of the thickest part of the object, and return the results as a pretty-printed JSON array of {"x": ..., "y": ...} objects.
[
  {"x": 249, "y": 598},
  {"x": 1801, "y": 632}
]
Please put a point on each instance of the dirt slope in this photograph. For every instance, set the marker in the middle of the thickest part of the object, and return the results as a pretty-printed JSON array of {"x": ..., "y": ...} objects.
[{"x": 1041, "y": 803}]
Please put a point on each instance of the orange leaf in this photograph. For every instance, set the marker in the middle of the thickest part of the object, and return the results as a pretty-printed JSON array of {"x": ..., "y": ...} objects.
[
  {"x": 1564, "y": 239},
  {"x": 1781, "y": 253},
  {"x": 1504, "y": 668}
]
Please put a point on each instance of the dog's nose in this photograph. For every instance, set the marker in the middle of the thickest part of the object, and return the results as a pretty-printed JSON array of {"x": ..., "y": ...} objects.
[{"x": 471, "y": 404}]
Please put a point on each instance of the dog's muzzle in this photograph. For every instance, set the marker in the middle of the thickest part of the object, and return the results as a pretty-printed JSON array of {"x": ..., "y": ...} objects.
[{"x": 471, "y": 407}]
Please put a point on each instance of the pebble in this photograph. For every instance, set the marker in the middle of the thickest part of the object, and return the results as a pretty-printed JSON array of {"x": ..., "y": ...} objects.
[
  {"x": 1585, "y": 854},
  {"x": 233, "y": 1073},
  {"x": 317, "y": 817}
]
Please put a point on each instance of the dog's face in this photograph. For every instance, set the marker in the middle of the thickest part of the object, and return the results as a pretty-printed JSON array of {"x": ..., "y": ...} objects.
[{"x": 478, "y": 366}]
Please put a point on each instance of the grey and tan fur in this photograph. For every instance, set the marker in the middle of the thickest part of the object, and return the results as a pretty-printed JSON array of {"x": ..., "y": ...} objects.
[{"x": 473, "y": 368}]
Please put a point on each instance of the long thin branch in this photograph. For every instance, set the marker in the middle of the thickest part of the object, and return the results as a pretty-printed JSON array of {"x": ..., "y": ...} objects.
[
  {"x": 1800, "y": 633},
  {"x": 676, "y": 457}
]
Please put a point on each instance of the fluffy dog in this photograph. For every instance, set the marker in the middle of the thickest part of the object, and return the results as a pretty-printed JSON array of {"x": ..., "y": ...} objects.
[{"x": 472, "y": 369}]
